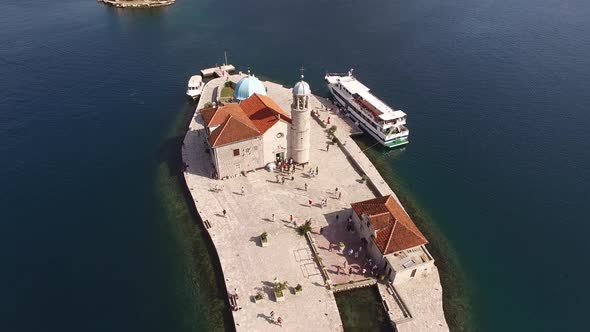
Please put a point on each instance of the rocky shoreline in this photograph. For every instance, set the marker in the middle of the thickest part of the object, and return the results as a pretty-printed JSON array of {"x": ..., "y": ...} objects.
[{"x": 137, "y": 3}]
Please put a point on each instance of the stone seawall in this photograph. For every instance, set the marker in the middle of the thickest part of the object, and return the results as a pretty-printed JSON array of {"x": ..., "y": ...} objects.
[{"x": 137, "y": 3}]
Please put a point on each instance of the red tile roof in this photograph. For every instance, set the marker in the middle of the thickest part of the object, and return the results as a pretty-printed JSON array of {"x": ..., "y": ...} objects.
[
  {"x": 237, "y": 122},
  {"x": 231, "y": 131},
  {"x": 394, "y": 228},
  {"x": 214, "y": 116},
  {"x": 263, "y": 112}
]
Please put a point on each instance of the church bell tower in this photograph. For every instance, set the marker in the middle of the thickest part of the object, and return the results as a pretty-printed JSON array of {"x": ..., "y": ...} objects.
[{"x": 300, "y": 126}]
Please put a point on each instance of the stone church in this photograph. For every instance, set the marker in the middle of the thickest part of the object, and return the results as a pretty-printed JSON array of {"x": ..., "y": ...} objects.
[{"x": 254, "y": 131}]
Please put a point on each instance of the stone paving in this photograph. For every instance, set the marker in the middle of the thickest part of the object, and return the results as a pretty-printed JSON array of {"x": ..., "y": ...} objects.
[
  {"x": 338, "y": 262},
  {"x": 250, "y": 268},
  {"x": 423, "y": 297}
]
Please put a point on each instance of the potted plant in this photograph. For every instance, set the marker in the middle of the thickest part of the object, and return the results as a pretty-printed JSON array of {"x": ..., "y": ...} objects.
[
  {"x": 298, "y": 288},
  {"x": 279, "y": 290},
  {"x": 258, "y": 297},
  {"x": 264, "y": 239}
]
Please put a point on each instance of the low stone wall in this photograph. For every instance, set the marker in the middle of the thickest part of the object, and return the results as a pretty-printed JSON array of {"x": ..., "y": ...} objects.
[
  {"x": 355, "y": 284},
  {"x": 318, "y": 260}
]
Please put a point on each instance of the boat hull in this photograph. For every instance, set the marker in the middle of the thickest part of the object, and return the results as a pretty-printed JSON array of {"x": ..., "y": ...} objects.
[{"x": 193, "y": 94}]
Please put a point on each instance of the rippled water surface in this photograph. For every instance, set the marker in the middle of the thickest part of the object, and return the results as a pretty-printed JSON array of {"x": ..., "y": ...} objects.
[{"x": 96, "y": 234}]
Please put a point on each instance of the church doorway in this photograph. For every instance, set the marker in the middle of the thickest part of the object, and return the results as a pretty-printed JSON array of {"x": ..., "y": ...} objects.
[{"x": 280, "y": 156}]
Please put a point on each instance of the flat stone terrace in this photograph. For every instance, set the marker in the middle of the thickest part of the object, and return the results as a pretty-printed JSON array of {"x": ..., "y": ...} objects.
[
  {"x": 423, "y": 298},
  {"x": 250, "y": 268}
]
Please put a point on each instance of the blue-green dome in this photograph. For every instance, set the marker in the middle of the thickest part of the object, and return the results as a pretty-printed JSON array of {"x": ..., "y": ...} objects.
[{"x": 248, "y": 86}]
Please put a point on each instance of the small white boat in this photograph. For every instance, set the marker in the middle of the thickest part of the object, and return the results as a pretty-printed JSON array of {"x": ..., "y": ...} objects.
[{"x": 195, "y": 86}]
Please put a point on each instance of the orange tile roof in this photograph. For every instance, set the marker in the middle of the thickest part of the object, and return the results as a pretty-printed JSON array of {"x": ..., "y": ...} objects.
[
  {"x": 214, "y": 116},
  {"x": 263, "y": 112},
  {"x": 394, "y": 228},
  {"x": 249, "y": 119},
  {"x": 231, "y": 131}
]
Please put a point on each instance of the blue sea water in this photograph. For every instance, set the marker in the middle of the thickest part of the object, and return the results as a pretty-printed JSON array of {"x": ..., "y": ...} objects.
[{"x": 96, "y": 234}]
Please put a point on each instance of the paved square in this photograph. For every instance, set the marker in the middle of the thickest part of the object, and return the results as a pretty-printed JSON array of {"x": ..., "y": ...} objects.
[{"x": 249, "y": 267}]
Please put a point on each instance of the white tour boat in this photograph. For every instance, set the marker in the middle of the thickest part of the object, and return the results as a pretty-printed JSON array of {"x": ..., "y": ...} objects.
[
  {"x": 386, "y": 125},
  {"x": 195, "y": 86}
]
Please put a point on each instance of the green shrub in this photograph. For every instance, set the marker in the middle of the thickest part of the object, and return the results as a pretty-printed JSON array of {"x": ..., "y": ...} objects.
[{"x": 306, "y": 227}]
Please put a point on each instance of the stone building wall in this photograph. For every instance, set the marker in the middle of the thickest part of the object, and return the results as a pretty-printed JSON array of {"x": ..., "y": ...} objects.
[
  {"x": 366, "y": 232},
  {"x": 250, "y": 157},
  {"x": 273, "y": 144},
  {"x": 406, "y": 274}
]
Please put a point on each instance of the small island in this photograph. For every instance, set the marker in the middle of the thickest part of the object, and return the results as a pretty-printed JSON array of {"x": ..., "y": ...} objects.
[
  {"x": 137, "y": 3},
  {"x": 296, "y": 211}
]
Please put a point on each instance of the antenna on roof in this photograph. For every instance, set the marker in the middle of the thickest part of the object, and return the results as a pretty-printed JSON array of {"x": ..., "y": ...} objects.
[
  {"x": 301, "y": 70},
  {"x": 225, "y": 56},
  {"x": 248, "y": 70}
]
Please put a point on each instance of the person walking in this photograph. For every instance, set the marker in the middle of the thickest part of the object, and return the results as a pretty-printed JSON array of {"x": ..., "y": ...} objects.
[
  {"x": 280, "y": 321},
  {"x": 290, "y": 218},
  {"x": 273, "y": 217},
  {"x": 330, "y": 248},
  {"x": 272, "y": 315},
  {"x": 310, "y": 202},
  {"x": 306, "y": 187},
  {"x": 317, "y": 170},
  {"x": 224, "y": 213},
  {"x": 327, "y": 147},
  {"x": 339, "y": 195},
  {"x": 243, "y": 191},
  {"x": 350, "y": 271}
]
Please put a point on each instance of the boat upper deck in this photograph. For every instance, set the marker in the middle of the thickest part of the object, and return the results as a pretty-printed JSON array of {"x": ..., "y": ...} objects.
[
  {"x": 362, "y": 95},
  {"x": 195, "y": 81}
]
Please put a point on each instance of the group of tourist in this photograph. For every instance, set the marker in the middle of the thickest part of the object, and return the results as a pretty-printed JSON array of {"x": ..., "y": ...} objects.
[{"x": 285, "y": 166}]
